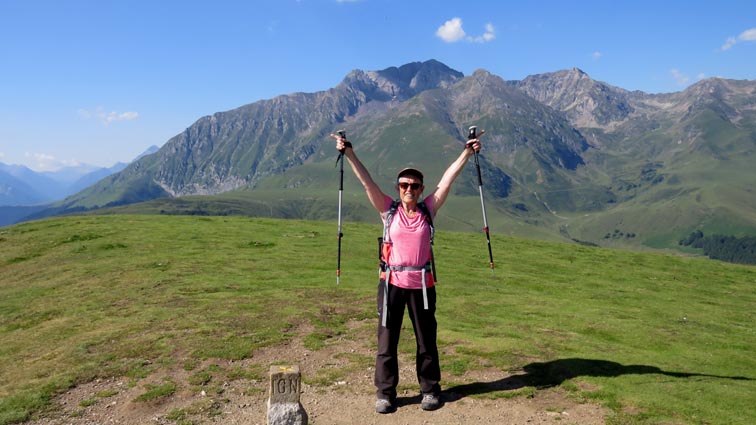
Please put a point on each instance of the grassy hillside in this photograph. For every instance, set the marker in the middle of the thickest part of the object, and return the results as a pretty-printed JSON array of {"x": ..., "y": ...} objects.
[
  {"x": 661, "y": 202},
  {"x": 656, "y": 338},
  {"x": 461, "y": 212}
]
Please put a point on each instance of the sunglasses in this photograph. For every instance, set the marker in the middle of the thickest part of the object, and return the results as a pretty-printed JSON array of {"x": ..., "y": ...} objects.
[{"x": 405, "y": 185}]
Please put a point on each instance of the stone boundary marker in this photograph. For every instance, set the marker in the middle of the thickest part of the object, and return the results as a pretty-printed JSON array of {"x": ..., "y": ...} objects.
[{"x": 284, "y": 407}]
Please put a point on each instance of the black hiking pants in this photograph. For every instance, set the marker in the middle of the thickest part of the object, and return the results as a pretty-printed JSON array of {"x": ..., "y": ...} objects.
[{"x": 424, "y": 325}]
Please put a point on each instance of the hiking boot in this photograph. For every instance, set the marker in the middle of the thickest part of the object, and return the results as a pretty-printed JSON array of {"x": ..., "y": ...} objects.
[
  {"x": 384, "y": 406},
  {"x": 430, "y": 402}
]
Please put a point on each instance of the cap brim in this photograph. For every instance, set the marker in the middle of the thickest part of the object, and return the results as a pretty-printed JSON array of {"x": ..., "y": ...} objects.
[{"x": 411, "y": 172}]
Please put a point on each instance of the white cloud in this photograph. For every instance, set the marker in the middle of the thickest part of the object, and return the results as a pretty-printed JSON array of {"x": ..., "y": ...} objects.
[
  {"x": 683, "y": 80},
  {"x": 107, "y": 117},
  {"x": 45, "y": 162},
  {"x": 680, "y": 78},
  {"x": 451, "y": 32},
  {"x": 729, "y": 43},
  {"x": 489, "y": 35},
  {"x": 127, "y": 116},
  {"x": 596, "y": 55},
  {"x": 747, "y": 35}
]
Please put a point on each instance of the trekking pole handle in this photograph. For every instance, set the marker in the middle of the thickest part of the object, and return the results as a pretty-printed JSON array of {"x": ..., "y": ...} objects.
[
  {"x": 345, "y": 144},
  {"x": 473, "y": 134},
  {"x": 342, "y": 134}
]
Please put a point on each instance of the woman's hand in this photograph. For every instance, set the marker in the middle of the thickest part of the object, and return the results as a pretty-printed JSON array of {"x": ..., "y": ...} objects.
[
  {"x": 341, "y": 142},
  {"x": 473, "y": 144}
]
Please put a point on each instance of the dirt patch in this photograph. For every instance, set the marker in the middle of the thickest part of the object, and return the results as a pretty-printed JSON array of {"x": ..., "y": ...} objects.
[{"x": 337, "y": 389}]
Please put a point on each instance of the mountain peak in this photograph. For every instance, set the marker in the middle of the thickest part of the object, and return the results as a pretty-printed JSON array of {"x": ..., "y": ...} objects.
[
  {"x": 587, "y": 102},
  {"x": 578, "y": 71},
  {"x": 405, "y": 81},
  {"x": 152, "y": 149},
  {"x": 480, "y": 72},
  {"x": 710, "y": 86}
]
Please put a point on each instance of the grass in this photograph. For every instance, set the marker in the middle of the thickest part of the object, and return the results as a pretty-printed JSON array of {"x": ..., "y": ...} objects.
[
  {"x": 655, "y": 338},
  {"x": 154, "y": 392}
]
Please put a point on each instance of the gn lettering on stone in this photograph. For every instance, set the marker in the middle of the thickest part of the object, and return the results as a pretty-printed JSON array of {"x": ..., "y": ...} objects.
[
  {"x": 285, "y": 384},
  {"x": 288, "y": 385}
]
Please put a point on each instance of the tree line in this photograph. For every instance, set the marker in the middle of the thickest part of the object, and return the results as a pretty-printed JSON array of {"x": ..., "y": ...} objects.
[{"x": 722, "y": 247}]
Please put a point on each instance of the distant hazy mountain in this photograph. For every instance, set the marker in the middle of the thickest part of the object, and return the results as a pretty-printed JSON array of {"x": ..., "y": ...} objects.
[
  {"x": 22, "y": 187},
  {"x": 14, "y": 191},
  {"x": 19, "y": 185},
  {"x": 94, "y": 176},
  {"x": 564, "y": 155}
]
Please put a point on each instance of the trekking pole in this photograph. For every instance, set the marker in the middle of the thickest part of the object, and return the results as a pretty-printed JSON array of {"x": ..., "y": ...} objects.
[
  {"x": 340, "y": 160},
  {"x": 473, "y": 135}
]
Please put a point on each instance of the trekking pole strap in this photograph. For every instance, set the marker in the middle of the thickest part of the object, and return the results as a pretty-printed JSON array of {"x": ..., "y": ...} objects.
[
  {"x": 384, "y": 316},
  {"x": 425, "y": 294}
]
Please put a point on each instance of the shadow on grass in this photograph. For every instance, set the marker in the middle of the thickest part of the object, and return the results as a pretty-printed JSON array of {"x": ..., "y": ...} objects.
[{"x": 553, "y": 373}]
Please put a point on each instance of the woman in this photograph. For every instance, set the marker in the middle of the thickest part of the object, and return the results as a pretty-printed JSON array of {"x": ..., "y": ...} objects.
[{"x": 410, "y": 282}]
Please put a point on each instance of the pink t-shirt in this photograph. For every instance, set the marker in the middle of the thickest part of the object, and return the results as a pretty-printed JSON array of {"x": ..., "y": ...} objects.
[{"x": 410, "y": 238}]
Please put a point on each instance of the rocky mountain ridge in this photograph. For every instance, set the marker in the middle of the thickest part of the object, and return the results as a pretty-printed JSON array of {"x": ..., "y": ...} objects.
[{"x": 558, "y": 141}]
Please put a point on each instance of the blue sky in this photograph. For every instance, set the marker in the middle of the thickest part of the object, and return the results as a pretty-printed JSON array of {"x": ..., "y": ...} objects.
[{"x": 100, "y": 81}]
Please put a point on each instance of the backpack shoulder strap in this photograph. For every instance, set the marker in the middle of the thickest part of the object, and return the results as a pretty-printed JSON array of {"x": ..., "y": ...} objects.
[
  {"x": 428, "y": 218},
  {"x": 389, "y": 217}
]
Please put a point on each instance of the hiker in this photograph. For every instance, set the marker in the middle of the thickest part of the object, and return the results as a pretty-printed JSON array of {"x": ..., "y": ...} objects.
[{"x": 408, "y": 238}]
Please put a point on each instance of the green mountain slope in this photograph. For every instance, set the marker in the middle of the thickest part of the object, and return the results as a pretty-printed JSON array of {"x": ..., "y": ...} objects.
[{"x": 670, "y": 162}]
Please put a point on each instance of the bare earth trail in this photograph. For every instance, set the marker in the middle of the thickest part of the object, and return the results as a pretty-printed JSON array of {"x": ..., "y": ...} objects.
[{"x": 347, "y": 399}]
